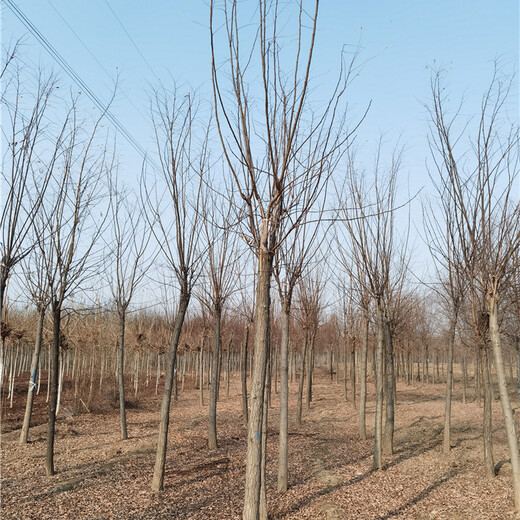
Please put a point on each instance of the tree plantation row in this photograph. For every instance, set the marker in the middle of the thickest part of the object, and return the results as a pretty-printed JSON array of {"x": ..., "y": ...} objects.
[{"x": 268, "y": 240}]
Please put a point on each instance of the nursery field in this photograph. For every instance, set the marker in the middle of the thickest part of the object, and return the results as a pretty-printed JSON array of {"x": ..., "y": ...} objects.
[{"x": 330, "y": 469}]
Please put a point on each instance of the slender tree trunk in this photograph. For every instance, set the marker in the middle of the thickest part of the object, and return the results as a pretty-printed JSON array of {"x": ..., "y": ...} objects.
[
  {"x": 512, "y": 438},
  {"x": 388, "y": 436},
  {"x": 353, "y": 371},
  {"x": 446, "y": 445},
  {"x": 489, "y": 465},
  {"x": 53, "y": 396},
  {"x": 244, "y": 377},
  {"x": 518, "y": 367},
  {"x": 121, "y": 375},
  {"x": 310, "y": 368},
  {"x": 464, "y": 379},
  {"x": 284, "y": 399},
  {"x": 302, "y": 380},
  {"x": 363, "y": 386},
  {"x": 24, "y": 434},
  {"x": 378, "y": 428},
  {"x": 345, "y": 368},
  {"x": 215, "y": 373},
  {"x": 162, "y": 443},
  {"x": 262, "y": 514},
  {"x": 201, "y": 374},
  {"x": 259, "y": 369}
]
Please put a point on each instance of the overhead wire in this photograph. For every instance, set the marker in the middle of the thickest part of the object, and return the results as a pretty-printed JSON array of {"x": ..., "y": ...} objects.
[
  {"x": 94, "y": 57},
  {"x": 77, "y": 79},
  {"x": 132, "y": 41}
]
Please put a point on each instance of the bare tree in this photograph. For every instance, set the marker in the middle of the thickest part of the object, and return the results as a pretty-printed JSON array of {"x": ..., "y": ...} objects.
[
  {"x": 25, "y": 172},
  {"x": 126, "y": 270},
  {"x": 72, "y": 230},
  {"x": 367, "y": 224},
  {"x": 37, "y": 286},
  {"x": 219, "y": 277},
  {"x": 174, "y": 207},
  {"x": 443, "y": 243},
  {"x": 261, "y": 149},
  {"x": 480, "y": 184}
]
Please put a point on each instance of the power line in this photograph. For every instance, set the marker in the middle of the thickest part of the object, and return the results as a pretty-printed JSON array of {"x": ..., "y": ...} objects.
[
  {"x": 132, "y": 41},
  {"x": 77, "y": 79},
  {"x": 92, "y": 54}
]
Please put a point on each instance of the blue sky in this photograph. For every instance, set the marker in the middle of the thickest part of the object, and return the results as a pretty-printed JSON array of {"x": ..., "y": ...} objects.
[{"x": 168, "y": 41}]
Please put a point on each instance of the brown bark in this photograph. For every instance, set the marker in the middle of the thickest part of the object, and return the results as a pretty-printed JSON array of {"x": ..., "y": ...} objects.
[
  {"x": 512, "y": 438},
  {"x": 53, "y": 396},
  {"x": 162, "y": 443},
  {"x": 363, "y": 376},
  {"x": 258, "y": 379},
  {"x": 284, "y": 400},
  {"x": 24, "y": 434},
  {"x": 215, "y": 377}
]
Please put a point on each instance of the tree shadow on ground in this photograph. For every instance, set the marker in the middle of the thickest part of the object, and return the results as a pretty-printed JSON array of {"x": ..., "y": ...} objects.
[{"x": 415, "y": 500}]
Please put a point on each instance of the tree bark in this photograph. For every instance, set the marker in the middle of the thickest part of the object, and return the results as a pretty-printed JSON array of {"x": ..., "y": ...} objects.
[
  {"x": 363, "y": 376},
  {"x": 302, "y": 380},
  {"x": 244, "y": 378},
  {"x": 378, "y": 427},
  {"x": 310, "y": 368},
  {"x": 53, "y": 396},
  {"x": 24, "y": 434},
  {"x": 284, "y": 399},
  {"x": 121, "y": 375},
  {"x": 162, "y": 443},
  {"x": 489, "y": 465},
  {"x": 256, "y": 397},
  {"x": 215, "y": 376},
  {"x": 446, "y": 444},
  {"x": 512, "y": 439},
  {"x": 388, "y": 347}
]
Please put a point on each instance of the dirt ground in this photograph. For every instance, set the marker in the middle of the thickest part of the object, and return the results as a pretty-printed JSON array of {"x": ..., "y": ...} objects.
[{"x": 330, "y": 469}]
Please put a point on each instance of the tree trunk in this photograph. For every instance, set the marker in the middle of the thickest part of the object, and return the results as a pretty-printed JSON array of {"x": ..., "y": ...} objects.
[
  {"x": 446, "y": 445},
  {"x": 24, "y": 434},
  {"x": 53, "y": 395},
  {"x": 284, "y": 399},
  {"x": 353, "y": 371},
  {"x": 162, "y": 443},
  {"x": 244, "y": 378},
  {"x": 518, "y": 368},
  {"x": 215, "y": 376},
  {"x": 363, "y": 376},
  {"x": 489, "y": 465},
  {"x": 121, "y": 375},
  {"x": 310, "y": 368},
  {"x": 262, "y": 514},
  {"x": 256, "y": 396},
  {"x": 302, "y": 380},
  {"x": 388, "y": 437},
  {"x": 512, "y": 439},
  {"x": 378, "y": 427},
  {"x": 345, "y": 368}
]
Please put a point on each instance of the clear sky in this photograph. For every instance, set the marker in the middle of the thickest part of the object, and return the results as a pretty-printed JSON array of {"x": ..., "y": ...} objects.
[{"x": 144, "y": 43}]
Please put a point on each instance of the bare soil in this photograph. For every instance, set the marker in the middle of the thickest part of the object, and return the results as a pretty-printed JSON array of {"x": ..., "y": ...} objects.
[{"x": 330, "y": 469}]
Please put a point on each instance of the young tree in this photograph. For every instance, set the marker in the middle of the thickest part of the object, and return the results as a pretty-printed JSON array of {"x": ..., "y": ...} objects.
[
  {"x": 261, "y": 149},
  {"x": 72, "y": 230},
  {"x": 480, "y": 184},
  {"x": 126, "y": 270},
  {"x": 218, "y": 277},
  {"x": 367, "y": 217},
  {"x": 25, "y": 173},
  {"x": 37, "y": 286},
  {"x": 174, "y": 207}
]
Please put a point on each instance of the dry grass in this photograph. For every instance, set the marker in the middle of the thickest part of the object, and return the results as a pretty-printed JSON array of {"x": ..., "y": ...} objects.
[{"x": 331, "y": 474}]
